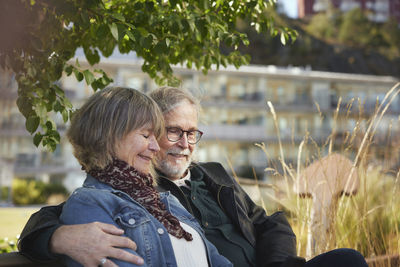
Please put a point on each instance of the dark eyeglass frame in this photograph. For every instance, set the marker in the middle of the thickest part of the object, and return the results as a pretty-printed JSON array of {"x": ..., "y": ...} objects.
[{"x": 197, "y": 133}]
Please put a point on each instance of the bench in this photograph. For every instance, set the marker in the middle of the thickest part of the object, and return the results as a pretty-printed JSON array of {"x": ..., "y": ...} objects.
[
  {"x": 16, "y": 259},
  {"x": 325, "y": 180}
]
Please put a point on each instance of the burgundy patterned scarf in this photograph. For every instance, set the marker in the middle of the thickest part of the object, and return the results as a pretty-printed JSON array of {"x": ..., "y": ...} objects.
[{"x": 121, "y": 176}]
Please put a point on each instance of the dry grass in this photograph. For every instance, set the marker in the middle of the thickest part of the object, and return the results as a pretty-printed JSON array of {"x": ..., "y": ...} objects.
[{"x": 369, "y": 221}]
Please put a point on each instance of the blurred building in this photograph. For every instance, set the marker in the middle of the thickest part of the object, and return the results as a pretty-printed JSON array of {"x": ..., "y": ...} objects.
[
  {"x": 379, "y": 10},
  {"x": 235, "y": 116}
]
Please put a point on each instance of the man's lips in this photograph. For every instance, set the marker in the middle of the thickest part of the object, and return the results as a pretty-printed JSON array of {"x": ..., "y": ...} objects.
[{"x": 179, "y": 156}]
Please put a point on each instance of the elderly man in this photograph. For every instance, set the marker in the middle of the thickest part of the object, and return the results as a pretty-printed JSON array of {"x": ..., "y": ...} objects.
[{"x": 239, "y": 229}]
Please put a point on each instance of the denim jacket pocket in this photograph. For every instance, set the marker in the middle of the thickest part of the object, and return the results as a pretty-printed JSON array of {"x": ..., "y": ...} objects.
[{"x": 131, "y": 218}]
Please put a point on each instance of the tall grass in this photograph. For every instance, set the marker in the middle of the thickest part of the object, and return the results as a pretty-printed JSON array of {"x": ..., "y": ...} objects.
[{"x": 369, "y": 221}]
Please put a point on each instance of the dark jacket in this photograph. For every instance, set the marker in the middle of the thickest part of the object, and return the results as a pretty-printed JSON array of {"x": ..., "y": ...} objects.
[{"x": 271, "y": 236}]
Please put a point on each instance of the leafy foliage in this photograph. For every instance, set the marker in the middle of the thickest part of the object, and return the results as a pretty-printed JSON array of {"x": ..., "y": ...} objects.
[
  {"x": 4, "y": 193},
  {"x": 7, "y": 245},
  {"x": 355, "y": 29},
  {"x": 26, "y": 192},
  {"x": 373, "y": 52},
  {"x": 163, "y": 33}
]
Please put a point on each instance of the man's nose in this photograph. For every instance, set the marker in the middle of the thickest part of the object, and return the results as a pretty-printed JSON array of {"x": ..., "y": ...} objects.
[{"x": 183, "y": 142}]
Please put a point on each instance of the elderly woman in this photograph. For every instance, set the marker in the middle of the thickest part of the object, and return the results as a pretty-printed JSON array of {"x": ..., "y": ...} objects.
[{"x": 114, "y": 136}]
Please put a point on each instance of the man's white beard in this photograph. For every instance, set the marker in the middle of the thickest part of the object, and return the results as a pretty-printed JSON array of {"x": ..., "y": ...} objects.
[{"x": 172, "y": 170}]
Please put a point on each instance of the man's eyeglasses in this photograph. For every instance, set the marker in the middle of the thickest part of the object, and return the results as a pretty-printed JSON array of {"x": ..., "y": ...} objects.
[{"x": 174, "y": 134}]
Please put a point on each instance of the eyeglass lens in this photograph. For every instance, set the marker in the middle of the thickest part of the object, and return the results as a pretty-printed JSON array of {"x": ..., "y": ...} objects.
[{"x": 174, "y": 134}]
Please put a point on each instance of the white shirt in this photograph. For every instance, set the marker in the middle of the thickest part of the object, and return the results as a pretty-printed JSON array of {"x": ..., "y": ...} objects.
[
  {"x": 181, "y": 181},
  {"x": 189, "y": 253}
]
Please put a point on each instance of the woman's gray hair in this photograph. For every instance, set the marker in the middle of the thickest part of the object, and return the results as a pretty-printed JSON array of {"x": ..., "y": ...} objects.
[
  {"x": 107, "y": 117},
  {"x": 168, "y": 98}
]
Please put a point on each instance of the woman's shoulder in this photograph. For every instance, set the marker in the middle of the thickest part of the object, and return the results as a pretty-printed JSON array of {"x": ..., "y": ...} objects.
[
  {"x": 95, "y": 198},
  {"x": 91, "y": 195}
]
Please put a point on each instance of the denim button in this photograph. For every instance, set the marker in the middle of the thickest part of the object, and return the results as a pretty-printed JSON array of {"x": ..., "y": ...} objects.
[
  {"x": 160, "y": 231},
  {"x": 131, "y": 221}
]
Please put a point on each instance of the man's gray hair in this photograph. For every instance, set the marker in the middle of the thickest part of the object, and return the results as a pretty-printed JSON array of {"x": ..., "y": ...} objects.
[{"x": 168, "y": 98}]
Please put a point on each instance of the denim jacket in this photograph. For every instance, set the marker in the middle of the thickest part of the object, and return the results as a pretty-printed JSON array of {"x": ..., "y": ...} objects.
[{"x": 97, "y": 201}]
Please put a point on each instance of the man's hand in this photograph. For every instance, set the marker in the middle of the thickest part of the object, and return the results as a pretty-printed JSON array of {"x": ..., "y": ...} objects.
[{"x": 89, "y": 243}]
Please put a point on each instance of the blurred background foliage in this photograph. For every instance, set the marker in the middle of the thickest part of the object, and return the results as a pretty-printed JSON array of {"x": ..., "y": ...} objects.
[
  {"x": 331, "y": 41},
  {"x": 29, "y": 192}
]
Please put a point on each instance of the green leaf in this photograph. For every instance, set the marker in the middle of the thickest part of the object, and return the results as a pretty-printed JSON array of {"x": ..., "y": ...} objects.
[
  {"x": 68, "y": 70},
  {"x": 58, "y": 90},
  {"x": 147, "y": 42},
  {"x": 77, "y": 63},
  {"x": 108, "y": 47},
  {"x": 130, "y": 25},
  {"x": 283, "y": 39},
  {"x": 89, "y": 77},
  {"x": 201, "y": 27},
  {"x": 130, "y": 35},
  {"x": 85, "y": 17},
  {"x": 191, "y": 24},
  {"x": 143, "y": 31},
  {"x": 173, "y": 2},
  {"x": 207, "y": 62},
  {"x": 96, "y": 85},
  {"x": 67, "y": 103},
  {"x": 114, "y": 30},
  {"x": 78, "y": 75},
  {"x": 58, "y": 107},
  {"x": 118, "y": 16},
  {"x": 25, "y": 106},
  {"x": 102, "y": 31},
  {"x": 161, "y": 47},
  {"x": 32, "y": 123},
  {"x": 52, "y": 145},
  {"x": 37, "y": 139},
  {"x": 55, "y": 135},
  {"x": 92, "y": 55},
  {"x": 64, "y": 114},
  {"x": 175, "y": 27},
  {"x": 49, "y": 125}
]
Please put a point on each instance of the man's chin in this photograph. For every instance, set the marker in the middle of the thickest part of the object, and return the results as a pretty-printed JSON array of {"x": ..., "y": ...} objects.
[{"x": 172, "y": 170}]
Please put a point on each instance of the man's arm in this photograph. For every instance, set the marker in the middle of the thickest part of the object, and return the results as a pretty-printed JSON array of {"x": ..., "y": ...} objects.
[
  {"x": 88, "y": 243},
  {"x": 43, "y": 238},
  {"x": 276, "y": 241},
  {"x": 37, "y": 232}
]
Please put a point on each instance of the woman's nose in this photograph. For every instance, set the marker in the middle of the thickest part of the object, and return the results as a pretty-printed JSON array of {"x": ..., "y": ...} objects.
[{"x": 153, "y": 145}]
